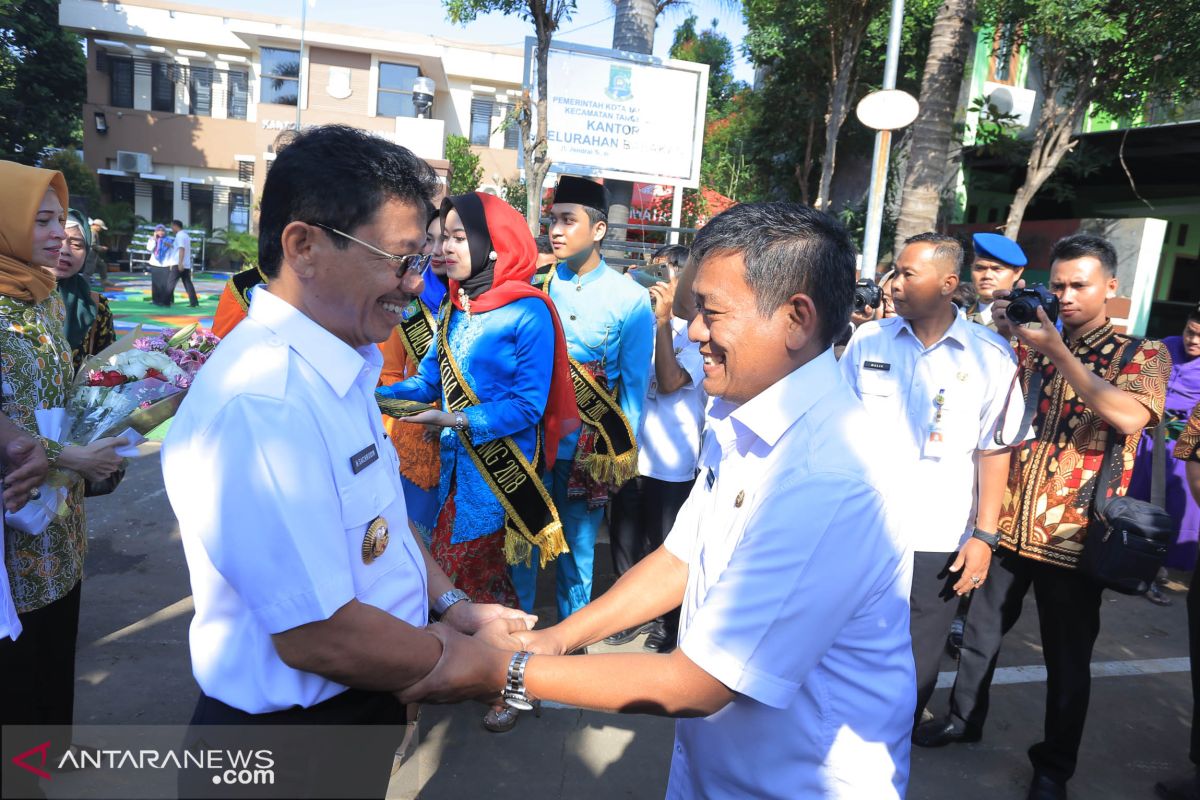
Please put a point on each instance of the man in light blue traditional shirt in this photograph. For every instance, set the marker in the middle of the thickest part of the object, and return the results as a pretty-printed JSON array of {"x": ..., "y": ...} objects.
[{"x": 610, "y": 336}]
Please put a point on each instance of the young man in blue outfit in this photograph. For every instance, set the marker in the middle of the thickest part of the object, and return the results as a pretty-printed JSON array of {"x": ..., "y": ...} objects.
[{"x": 610, "y": 336}]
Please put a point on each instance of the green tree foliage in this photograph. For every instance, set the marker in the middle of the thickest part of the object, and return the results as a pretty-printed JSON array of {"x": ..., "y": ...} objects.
[
  {"x": 81, "y": 181},
  {"x": 816, "y": 60},
  {"x": 42, "y": 81},
  {"x": 725, "y": 163},
  {"x": 545, "y": 16},
  {"x": 465, "y": 172},
  {"x": 1115, "y": 56}
]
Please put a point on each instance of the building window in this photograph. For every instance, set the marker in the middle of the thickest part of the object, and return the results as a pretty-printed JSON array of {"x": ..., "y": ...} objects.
[
  {"x": 481, "y": 121},
  {"x": 238, "y": 98},
  {"x": 200, "y": 203},
  {"x": 280, "y": 76},
  {"x": 200, "y": 89},
  {"x": 246, "y": 171},
  {"x": 120, "y": 82},
  {"x": 395, "y": 90},
  {"x": 121, "y": 192},
  {"x": 162, "y": 202},
  {"x": 162, "y": 88},
  {"x": 239, "y": 210},
  {"x": 512, "y": 133}
]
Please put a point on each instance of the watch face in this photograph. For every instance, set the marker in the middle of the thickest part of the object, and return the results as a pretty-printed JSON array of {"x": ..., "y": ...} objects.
[{"x": 517, "y": 702}]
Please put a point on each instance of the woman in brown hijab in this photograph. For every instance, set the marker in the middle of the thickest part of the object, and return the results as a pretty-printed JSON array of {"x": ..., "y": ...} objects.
[{"x": 37, "y": 670}]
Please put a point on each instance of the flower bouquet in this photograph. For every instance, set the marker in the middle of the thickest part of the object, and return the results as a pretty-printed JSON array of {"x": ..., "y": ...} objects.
[
  {"x": 137, "y": 383},
  {"x": 127, "y": 390}
]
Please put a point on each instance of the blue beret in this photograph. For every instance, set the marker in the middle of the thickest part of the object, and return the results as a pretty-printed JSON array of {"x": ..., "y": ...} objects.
[{"x": 1000, "y": 248}]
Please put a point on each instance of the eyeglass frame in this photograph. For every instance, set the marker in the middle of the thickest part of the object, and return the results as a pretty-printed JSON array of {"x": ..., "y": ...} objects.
[{"x": 422, "y": 259}]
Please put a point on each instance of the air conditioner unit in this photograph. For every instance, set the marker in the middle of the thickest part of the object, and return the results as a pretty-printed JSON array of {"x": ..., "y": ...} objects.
[
  {"x": 128, "y": 161},
  {"x": 1012, "y": 100}
]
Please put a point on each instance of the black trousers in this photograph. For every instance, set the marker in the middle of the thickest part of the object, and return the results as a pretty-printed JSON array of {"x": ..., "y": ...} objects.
[
  {"x": 643, "y": 513},
  {"x": 37, "y": 681},
  {"x": 1068, "y": 605},
  {"x": 341, "y": 747},
  {"x": 932, "y": 606},
  {"x": 184, "y": 275}
]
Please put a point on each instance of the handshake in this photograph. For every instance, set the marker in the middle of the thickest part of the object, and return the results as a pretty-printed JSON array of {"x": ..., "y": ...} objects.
[{"x": 478, "y": 642}]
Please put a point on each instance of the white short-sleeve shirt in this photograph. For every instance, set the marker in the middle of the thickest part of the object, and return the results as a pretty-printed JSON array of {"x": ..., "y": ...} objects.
[
  {"x": 672, "y": 424},
  {"x": 797, "y": 600},
  {"x": 275, "y": 466},
  {"x": 182, "y": 240},
  {"x": 899, "y": 379}
]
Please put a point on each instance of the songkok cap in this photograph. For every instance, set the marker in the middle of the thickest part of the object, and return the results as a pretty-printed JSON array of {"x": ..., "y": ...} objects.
[
  {"x": 999, "y": 248},
  {"x": 572, "y": 189}
]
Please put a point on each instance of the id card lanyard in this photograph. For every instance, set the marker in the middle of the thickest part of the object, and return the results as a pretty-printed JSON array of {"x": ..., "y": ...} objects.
[{"x": 935, "y": 441}]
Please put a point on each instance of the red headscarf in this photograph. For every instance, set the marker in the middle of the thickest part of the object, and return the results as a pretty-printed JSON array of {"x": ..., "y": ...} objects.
[{"x": 516, "y": 262}]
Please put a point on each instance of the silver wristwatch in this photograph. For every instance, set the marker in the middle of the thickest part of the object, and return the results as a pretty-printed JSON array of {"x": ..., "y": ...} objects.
[
  {"x": 443, "y": 603},
  {"x": 514, "y": 684},
  {"x": 460, "y": 421}
]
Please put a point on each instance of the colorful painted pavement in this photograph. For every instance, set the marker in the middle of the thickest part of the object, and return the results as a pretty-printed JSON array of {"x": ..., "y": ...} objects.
[{"x": 129, "y": 299}]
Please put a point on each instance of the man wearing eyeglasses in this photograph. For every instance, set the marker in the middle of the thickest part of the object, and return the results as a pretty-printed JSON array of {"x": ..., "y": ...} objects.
[{"x": 311, "y": 592}]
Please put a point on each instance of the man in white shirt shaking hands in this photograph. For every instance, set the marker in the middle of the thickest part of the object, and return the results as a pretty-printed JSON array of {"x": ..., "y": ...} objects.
[{"x": 794, "y": 674}]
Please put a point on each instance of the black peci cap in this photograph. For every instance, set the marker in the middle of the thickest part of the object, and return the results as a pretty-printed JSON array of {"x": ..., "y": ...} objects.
[{"x": 572, "y": 189}]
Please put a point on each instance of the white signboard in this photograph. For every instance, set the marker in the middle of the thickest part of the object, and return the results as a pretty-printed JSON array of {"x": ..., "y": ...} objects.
[{"x": 622, "y": 115}]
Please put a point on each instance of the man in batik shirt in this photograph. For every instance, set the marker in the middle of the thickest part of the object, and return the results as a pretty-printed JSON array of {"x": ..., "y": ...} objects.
[{"x": 1084, "y": 398}]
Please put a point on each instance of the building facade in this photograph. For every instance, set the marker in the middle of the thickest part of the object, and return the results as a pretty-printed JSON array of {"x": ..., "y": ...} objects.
[{"x": 186, "y": 105}]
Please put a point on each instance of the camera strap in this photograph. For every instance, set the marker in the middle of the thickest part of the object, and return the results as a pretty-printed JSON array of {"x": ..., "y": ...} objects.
[
  {"x": 1031, "y": 404},
  {"x": 1109, "y": 475}
]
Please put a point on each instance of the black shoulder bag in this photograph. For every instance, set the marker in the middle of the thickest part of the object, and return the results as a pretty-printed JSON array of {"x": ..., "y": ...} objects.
[{"x": 1127, "y": 539}]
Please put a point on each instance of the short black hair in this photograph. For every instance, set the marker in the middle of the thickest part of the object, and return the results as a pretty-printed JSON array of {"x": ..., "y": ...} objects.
[
  {"x": 338, "y": 176},
  {"x": 675, "y": 254},
  {"x": 945, "y": 247},
  {"x": 543, "y": 245},
  {"x": 595, "y": 215},
  {"x": 1082, "y": 245},
  {"x": 788, "y": 248},
  {"x": 1194, "y": 314},
  {"x": 177, "y": 222},
  {"x": 432, "y": 212}
]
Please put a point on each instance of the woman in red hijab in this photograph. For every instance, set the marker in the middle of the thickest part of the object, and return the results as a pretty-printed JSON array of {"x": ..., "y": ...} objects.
[{"x": 497, "y": 373}]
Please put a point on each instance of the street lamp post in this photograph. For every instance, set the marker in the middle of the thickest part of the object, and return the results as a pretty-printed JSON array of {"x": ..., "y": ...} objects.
[{"x": 886, "y": 111}]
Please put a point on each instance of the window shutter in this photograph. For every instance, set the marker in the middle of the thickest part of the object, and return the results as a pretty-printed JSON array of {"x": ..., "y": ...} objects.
[{"x": 481, "y": 121}]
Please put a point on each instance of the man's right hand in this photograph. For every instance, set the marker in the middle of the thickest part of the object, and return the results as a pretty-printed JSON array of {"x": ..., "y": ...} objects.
[
  {"x": 542, "y": 642},
  {"x": 26, "y": 468},
  {"x": 468, "y": 668},
  {"x": 999, "y": 304}
]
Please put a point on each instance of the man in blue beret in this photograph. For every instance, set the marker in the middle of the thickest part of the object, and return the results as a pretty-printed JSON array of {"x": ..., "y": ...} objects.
[{"x": 999, "y": 262}]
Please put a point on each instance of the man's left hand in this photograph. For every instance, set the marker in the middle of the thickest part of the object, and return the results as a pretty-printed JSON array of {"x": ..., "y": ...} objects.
[
  {"x": 1045, "y": 339},
  {"x": 468, "y": 618},
  {"x": 974, "y": 559}
]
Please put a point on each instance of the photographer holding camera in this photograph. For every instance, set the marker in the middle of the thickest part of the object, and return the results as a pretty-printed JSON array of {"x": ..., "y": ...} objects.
[{"x": 1085, "y": 391}]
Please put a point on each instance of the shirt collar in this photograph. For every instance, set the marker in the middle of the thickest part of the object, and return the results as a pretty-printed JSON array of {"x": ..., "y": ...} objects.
[
  {"x": 769, "y": 414},
  {"x": 565, "y": 274},
  {"x": 334, "y": 360},
  {"x": 957, "y": 332},
  {"x": 1092, "y": 339}
]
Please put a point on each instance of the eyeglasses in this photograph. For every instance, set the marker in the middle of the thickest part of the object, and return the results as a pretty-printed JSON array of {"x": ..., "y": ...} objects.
[{"x": 410, "y": 263}]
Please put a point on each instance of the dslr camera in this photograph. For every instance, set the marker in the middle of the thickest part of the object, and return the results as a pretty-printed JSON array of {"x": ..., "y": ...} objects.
[
  {"x": 1023, "y": 305},
  {"x": 867, "y": 294}
]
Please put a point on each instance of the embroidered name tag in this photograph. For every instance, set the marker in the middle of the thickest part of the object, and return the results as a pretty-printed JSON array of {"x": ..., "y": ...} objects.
[
  {"x": 879, "y": 365},
  {"x": 363, "y": 459}
]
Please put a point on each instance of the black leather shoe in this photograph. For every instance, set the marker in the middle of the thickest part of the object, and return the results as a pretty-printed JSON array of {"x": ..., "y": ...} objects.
[
  {"x": 656, "y": 640},
  {"x": 941, "y": 732},
  {"x": 1046, "y": 788},
  {"x": 1182, "y": 787},
  {"x": 629, "y": 634}
]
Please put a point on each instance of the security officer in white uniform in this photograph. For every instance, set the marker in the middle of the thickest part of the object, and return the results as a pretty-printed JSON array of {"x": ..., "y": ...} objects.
[
  {"x": 311, "y": 591},
  {"x": 938, "y": 384}
]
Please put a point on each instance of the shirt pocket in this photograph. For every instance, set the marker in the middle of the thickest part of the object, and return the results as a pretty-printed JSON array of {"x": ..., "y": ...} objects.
[
  {"x": 364, "y": 498},
  {"x": 876, "y": 382}
]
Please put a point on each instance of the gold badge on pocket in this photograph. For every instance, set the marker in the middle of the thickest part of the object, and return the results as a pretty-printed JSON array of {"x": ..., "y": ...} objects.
[{"x": 375, "y": 541}]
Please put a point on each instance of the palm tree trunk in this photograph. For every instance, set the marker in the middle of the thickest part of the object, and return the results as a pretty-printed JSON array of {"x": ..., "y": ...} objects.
[
  {"x": 633, "y": 31},
  {"x": 933, "y": 131}
]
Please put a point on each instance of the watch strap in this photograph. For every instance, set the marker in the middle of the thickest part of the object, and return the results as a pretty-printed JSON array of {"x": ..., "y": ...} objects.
[
  {"x": 989, "y": 538},
  {"x": 443, "y": 603}
]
